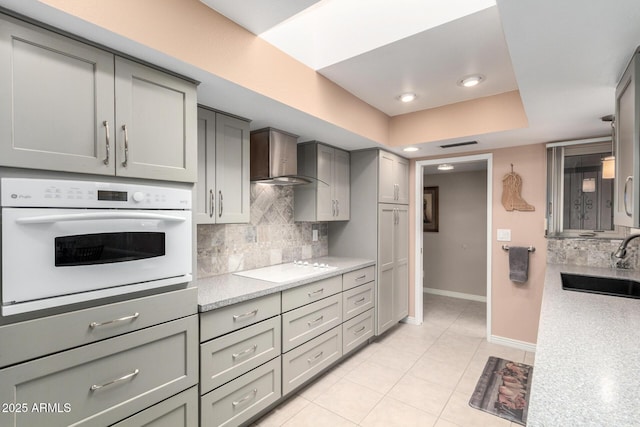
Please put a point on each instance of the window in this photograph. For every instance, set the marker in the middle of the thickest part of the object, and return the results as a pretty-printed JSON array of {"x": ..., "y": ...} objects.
[{"x": 580, "y": 200}]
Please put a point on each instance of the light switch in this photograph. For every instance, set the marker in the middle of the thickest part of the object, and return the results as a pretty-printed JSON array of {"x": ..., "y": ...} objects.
[{"x": 504, "y": 235}]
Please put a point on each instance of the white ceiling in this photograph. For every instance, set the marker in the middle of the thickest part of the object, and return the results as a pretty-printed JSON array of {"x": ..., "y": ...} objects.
[{"x": 565, "y": 58}]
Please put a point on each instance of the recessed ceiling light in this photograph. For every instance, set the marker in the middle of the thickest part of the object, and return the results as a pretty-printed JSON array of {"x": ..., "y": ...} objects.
[
  {"x": 407, "y": 97},
  {"x": 445, "y": 167},
  {"x": 471, "y": 81},
  {"x": 410, "y": 149}
]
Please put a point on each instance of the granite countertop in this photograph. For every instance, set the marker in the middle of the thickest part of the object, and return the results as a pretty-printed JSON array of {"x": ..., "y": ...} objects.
[
  {"x": 587, "y": 368},
  {"x": 226, "y": 289}
]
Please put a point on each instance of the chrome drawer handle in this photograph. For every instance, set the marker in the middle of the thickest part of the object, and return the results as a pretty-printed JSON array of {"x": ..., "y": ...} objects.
[
  {"x": 316, "y": 357},
  {"x": 245, "y": 352},
  {"x": 211, "y": 203},
  {"x": 252, "y": 313},
  {"x": 360, "y": 301},
  {"x": 117, "y": 380},
  {"x": 108, "y": 145},
  {"x": 246, "y": 397},
  {"x": 126, "y": 146},
  {"x": 364, "y": 276},
  {"x": 109, "y": 322},
  {"x": 220, "y": 207},
  {"x": 311, "y": 322},
  {"x": 314, "y": 293},
  {"x": 359, "y": 330}
]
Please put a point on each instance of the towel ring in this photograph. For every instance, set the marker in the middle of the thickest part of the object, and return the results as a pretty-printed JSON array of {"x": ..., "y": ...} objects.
[{"x": 530, "y": 248}]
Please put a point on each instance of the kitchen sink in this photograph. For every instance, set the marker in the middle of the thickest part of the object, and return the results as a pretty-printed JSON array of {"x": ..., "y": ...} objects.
[{"x": 601, "y": 285}]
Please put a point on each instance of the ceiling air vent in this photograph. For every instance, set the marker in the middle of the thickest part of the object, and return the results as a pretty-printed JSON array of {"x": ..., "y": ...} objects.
[{"x": 459, "y": 144}]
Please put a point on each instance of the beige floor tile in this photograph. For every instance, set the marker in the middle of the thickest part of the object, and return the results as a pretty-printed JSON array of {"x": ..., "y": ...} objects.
[
  {"x": 376, "y": 377},
  {"x": 445, "y": 423},
  {"x": 392, "y": 413},
  {"x": 349, "y": 400},
  {"x": 446, "y": 374},
  {"x": 283, "y": 412},
  {"x": 317, "y": 416},
  {"x": 459, "y": 412},
  {"x": 395, "y": 358},
  {"x": 319, "y": 386},
  {"x": 408, "y": 344},
  {"x": 487, "y": 349},
  {"x": 467, "y": 383},
  {"x": 421, "y": 394},
  {"x": 345, "y": 367}
]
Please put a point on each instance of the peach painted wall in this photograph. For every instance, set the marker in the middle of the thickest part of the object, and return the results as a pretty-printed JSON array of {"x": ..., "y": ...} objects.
[
  {"x": 515, "y": 308},
  {"x": 192, "y": 32},
  {"x": 483, "y": 115}
]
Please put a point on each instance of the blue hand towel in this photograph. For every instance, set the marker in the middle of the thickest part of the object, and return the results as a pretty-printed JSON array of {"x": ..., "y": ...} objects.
[{"x": 518, "y": 264}]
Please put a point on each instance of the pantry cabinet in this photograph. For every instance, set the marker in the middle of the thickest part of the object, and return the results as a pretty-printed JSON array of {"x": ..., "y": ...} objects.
[
  {"x": 393, "y": 179},
  {"x": 69, "y": 106},
  {"x": 223, "y": 169},
  {"x": 327, "y": 198}
]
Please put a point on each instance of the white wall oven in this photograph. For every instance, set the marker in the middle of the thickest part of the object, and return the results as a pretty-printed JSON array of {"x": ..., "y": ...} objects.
[{"x": 65, "y": 242}]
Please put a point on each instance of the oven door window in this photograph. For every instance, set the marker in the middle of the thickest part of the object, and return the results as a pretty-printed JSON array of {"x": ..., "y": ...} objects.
[{"x": 105, "y": 248}]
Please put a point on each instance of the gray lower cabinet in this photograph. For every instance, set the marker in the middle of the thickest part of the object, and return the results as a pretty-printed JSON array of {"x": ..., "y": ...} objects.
[
  {"x": 309, "y": 321},
  {"x": 180, "y": 410},
  {"x": 104, "y": 382},
  {"x": 357, "y": 331}
]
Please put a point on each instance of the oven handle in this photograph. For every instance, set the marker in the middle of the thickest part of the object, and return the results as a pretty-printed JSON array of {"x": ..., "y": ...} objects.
[{"x": 91, "y": 216}]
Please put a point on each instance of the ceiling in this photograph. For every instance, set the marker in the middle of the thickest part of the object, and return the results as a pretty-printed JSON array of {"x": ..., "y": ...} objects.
[{"x": 564, "y": 57}]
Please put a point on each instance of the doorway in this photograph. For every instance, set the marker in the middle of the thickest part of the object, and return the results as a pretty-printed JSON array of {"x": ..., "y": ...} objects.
[{"x": 462, "y": 163}]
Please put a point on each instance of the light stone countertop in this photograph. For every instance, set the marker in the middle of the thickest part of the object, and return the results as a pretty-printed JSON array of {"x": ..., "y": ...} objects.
[
  {"x": 587, "y": 367},
  {"x": 226, "y": 289}
]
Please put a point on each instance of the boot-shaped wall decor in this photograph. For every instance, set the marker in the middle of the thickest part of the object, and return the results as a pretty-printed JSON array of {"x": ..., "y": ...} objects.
[{"x": 512, "y": 193}]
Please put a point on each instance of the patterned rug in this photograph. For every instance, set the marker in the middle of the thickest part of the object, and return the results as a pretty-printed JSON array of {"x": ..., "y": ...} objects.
[{"x": 503, "y": 390}]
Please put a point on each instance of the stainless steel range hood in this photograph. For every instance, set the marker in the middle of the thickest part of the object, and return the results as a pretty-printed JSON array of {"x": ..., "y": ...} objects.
[{"x": 274, "y": 158}]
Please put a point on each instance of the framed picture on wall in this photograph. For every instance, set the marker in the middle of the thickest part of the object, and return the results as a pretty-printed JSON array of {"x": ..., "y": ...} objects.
[{"x": 430, "y": 209}]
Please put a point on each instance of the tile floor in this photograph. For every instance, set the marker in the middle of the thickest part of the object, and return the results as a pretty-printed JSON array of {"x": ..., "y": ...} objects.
[{"x": 411, "y": 376}]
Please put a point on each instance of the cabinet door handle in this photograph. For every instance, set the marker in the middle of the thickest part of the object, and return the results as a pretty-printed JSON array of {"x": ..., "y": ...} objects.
[
  {"x": 251, "y": 313},
  {"x": 134, "y": 316},
  {"x": 337, "y": 207},
  {"x": 333, "y": 208},
  {"x": 316, "y": 357},
  {"x": 360, "y": 301},
  {"x": 360, "y": 329},
  {"x": 364, "y": 276},
  {"x": 126, "y": 146},
  {"x": 312, "y": 322},
  {"x": 246, "y": 397},
  {"x": 220, "y": 207},
  {"x": 108, "y": 142},
  {"x": 211, "y": 203},
  {"x": 625, "y": 197},
  {"x": 117, "y": 380},
  {"x": 316, "y": 292},
  {"x": 245, "y": 352}
]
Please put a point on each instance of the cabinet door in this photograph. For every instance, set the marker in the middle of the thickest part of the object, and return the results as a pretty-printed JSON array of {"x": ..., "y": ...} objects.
[
  {"x": 206, "y": 186},
  {"x": 386, "y": 178},
  {"x": 156, "y": 124},
  {"x": 626, "y": 111},
  {"x": 232, "y": 170},
  {"x": 385, "y": 291},
  {"x": 401, "y": 173},
  {"x": 341, "y": 184},
  {"x": 326, "y": 202},
  {"x": 401, "y": 263},
  {"x": 56, "y": 107}
]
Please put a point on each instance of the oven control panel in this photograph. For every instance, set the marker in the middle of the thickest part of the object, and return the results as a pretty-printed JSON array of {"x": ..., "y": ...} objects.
[{"x": 26, "y": 192}]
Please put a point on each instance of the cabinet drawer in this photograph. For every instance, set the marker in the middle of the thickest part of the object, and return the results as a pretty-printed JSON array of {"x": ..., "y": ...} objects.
[
  {"x": 234, "y": 354},
  {"x": 358, "y": 277},
  {"x": 92, "y": 324},
  {"x": 242, "y": 398},
  {"x": 308, "y": 360},
  {"x": 302, "y": 295},
  {"x": 357, "y": 331},
  {"x": 107, "y": 381},
  {"x": 227, "y": 319},
  {"x": 357, "y": 300},
  {"x": 180, "y": 410},
  {"x": 304, "y": 323}
]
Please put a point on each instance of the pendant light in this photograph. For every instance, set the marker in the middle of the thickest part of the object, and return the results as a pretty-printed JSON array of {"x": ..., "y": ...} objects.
[{"x": 609, "y": 162}]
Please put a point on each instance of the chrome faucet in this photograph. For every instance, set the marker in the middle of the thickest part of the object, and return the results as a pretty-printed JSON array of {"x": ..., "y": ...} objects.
[{"x": 621, "y": 252}]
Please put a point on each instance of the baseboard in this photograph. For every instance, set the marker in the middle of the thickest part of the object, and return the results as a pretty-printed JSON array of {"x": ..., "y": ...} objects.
[
  {"x": 411, "y": 321},
  {"x": 454, "y": 294},
  {"x": 522, "y": 345}
]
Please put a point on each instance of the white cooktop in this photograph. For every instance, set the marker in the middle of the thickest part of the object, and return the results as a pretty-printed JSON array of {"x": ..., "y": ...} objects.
[{"x": 283, "y": 273}]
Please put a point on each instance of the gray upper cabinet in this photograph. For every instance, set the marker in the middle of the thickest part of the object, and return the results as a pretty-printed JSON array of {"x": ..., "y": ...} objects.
[
  {"x": 328, "y": 198},
  {"x": 223, "y": 169},
  {"x": 393, "y": 179},
  {"x": 59, "y": 111}
]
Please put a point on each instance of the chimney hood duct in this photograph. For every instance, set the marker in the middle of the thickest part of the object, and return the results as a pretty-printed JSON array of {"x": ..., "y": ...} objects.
[{"x": 274, "y": 158}]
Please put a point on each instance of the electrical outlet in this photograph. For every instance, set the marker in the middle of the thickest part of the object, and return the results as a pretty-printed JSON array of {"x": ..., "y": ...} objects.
[{"x": 314, "y": 234}]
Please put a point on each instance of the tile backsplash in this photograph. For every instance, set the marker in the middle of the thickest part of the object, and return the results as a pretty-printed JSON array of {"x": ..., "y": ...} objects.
[
  {"x": 272, "y": 237},
  {"x": 589, "y": 252}
]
